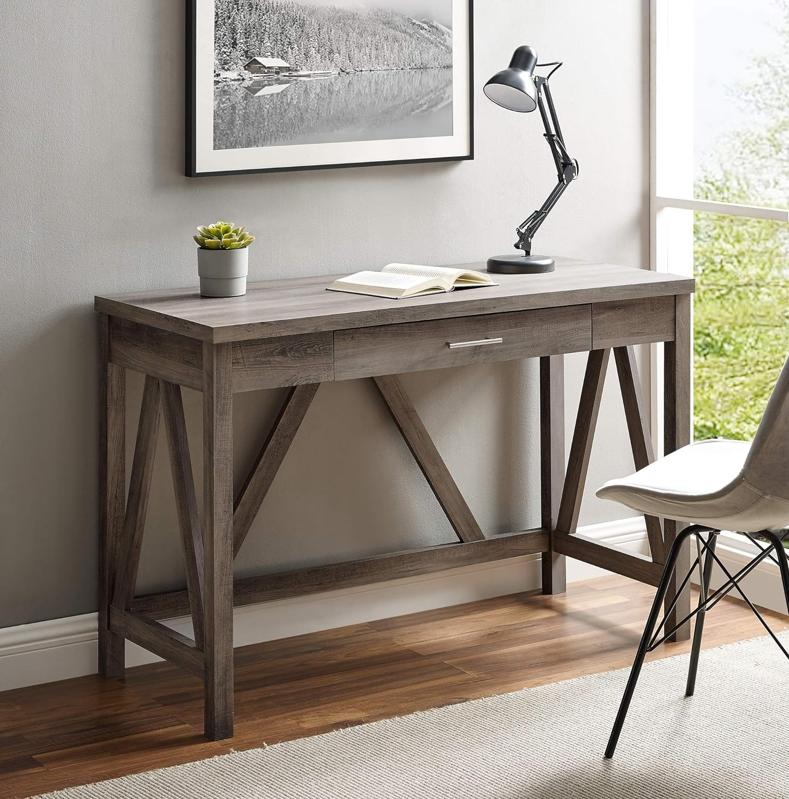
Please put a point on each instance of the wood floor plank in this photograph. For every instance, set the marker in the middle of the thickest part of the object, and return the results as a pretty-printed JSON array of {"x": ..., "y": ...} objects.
[
  {"x": 89, "y": 729},
  {"x": 542, "y": 623}
]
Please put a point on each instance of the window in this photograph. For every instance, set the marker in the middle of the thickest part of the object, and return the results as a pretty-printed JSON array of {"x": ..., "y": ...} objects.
[
  {"x": 720, "y": 194},
  {"x": 719, "y": 198},
  {"x": 741, "y": 101}
]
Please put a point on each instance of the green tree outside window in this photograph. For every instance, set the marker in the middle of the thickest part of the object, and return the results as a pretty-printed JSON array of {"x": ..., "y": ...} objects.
[{"x": 741, "y": 307}]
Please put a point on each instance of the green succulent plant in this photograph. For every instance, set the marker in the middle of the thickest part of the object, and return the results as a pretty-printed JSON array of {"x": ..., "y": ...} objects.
[{"x": 223, "y": 236}]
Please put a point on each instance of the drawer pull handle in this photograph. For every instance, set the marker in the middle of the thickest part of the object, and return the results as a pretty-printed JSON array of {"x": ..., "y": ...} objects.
[{"x": 482, "y": 342}]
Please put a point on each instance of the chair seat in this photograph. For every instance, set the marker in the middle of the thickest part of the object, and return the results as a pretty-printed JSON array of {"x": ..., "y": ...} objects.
[{"x": 701, "y": 483}]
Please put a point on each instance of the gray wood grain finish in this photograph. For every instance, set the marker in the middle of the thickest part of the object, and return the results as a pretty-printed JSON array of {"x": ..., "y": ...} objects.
[
  {"x": 285, "y": 361},
  {"x": 269, "y": 460},
  {"x": 581, "y": 447},
  {"x": 293, "y": 307},
  {"x": 218, "y": 538},
  {"x": 676, "y": 434},
  {"x": 429, "y": 459},
  {"x": 640, "y": 434},
  {"x": 112, "y": 496},
  {"x": 159, "y": 353},
  {"x": 633, "y": 566},
  {"x": 335, "y": 576},
  {"x": 155, "y": 637},
  {"x": 632, "y": 322},
  {"x": 185, "y": 502},
  {"x": 294, "y": 333},
  {"x": 390, "y": 567},
  {"x": 139, "y": 493},
  {"x": 554, "y": 566},
  {"x": 396, "y": 349}
]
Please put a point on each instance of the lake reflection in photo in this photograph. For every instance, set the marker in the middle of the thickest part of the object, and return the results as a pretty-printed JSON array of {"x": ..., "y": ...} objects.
[{"x": 361, "y": 106}]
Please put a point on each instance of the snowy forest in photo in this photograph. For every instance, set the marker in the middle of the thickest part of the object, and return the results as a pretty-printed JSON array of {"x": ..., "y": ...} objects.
[
  {"x": 328, "y": 37},
  {"x": 345, "y": 71}
]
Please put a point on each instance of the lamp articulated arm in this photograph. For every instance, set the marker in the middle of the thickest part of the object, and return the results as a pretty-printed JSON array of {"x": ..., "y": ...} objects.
[{"x": 566, "y": 167}]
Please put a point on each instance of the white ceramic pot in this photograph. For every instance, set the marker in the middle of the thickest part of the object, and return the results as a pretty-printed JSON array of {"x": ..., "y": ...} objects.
[{"x": 223, "y": 273}]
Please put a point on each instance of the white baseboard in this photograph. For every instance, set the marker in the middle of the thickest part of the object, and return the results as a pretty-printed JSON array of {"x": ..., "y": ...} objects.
[
  {"x": 31, "y": 654},
  {"x": 763, "y": 585}
]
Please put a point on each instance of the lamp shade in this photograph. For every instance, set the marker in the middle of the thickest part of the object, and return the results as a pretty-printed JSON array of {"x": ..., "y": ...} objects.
[{"x": 513, "y": 88}]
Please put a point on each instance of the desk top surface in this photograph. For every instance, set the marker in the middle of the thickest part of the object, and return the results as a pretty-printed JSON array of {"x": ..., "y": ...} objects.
[{"x": 302, "y": 305}]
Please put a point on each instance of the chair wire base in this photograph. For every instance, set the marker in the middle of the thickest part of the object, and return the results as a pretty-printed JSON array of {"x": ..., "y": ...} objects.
[{"x": 706, "y": 558}]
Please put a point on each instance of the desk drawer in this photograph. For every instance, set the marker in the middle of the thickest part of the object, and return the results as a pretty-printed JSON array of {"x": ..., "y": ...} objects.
[
  {"x": 616, "y": 324},
  {"x": 411, "y": 347},
  {"x": 286, "y": 361}
]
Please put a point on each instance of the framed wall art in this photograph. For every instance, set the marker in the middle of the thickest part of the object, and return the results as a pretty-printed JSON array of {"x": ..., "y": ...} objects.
[{"x": 306, "y": 84}]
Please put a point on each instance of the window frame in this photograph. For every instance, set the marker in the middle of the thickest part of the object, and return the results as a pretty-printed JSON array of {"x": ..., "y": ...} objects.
[{"x": 671, "y": 200}]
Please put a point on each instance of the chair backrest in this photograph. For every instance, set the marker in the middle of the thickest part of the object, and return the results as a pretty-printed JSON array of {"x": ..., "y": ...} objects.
[{"x": 767, "y": 465}]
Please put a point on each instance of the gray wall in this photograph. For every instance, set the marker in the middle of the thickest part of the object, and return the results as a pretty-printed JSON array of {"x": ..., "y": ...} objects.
[{"x": 93, "y": 201}]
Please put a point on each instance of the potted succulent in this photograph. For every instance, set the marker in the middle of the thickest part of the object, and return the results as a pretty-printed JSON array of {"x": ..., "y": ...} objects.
[{"x": 223, "y": 259}]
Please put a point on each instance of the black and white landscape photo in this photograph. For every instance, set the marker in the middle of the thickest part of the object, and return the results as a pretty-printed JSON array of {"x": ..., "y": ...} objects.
[{"x": 332, "y": 82}]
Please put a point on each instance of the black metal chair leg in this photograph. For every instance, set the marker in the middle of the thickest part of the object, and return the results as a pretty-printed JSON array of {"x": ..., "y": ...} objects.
[
  {"x": 698, "y": 630},
  {"x": 643, "y": 647},
  {"x": 783, "y": 563}
]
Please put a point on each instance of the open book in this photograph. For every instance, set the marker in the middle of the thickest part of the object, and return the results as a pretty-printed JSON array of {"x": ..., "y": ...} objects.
[{"x": 397, "y": 281}]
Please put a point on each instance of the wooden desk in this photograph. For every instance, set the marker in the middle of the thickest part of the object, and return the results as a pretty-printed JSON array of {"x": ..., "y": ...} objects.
[{"x": 295, "y": 334}]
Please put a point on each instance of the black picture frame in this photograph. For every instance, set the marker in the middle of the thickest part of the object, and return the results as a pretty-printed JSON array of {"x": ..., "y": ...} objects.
[{"x": 191, "y": 108}]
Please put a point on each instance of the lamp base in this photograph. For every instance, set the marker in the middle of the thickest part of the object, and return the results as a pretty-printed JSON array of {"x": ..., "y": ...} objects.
[{"x": 520, "y": 264}]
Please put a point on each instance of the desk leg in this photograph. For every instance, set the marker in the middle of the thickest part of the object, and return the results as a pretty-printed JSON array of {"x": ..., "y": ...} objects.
[
  {"x": 676, "y": 423},
  {"x": 218, "y": 539},
  {"x": 554, "y": 566},
  {"x": 112, "y": 496}
]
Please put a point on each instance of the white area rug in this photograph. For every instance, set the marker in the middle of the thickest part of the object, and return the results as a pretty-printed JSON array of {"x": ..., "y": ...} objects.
[{"x": 730, "y": 741}]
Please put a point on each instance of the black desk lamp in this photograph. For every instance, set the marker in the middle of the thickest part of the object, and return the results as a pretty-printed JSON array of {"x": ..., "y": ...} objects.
[{"x": 517, "y": 88}]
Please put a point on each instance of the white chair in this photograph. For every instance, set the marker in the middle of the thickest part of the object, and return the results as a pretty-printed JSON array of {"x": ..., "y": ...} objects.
[{"x": 714, "y": 485}]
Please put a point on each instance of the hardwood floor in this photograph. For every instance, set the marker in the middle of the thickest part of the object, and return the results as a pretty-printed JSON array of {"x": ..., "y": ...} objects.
[{"x": 84, "y": 730}]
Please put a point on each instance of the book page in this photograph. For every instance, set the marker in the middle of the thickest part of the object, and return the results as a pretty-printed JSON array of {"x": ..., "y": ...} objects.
[
  {"x": 396, "y": 280},
  {"x": 468, "y": 277},
  {"x": 390, "y": 284},
  {"x": 454, "y": 276}
]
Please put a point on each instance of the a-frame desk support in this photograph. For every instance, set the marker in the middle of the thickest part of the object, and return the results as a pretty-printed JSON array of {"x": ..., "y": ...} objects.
[{"x": 212, "y": 539}]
